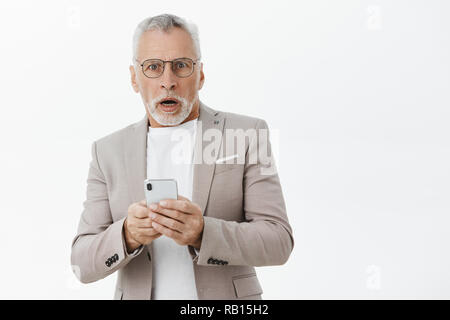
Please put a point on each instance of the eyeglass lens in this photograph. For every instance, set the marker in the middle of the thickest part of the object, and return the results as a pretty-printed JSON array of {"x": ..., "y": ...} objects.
[{"x": 153, "y": 68}]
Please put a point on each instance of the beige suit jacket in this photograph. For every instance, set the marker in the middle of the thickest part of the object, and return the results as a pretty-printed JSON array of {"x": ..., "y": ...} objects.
[{"x": 245, "y": 221}]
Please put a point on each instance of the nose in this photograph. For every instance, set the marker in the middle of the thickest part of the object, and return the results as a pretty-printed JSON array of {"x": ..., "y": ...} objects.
[{"x": 168, "y": 78}]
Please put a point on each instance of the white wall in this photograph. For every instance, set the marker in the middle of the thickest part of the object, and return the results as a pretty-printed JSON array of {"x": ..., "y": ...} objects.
[{"x": 358, "y": 92}]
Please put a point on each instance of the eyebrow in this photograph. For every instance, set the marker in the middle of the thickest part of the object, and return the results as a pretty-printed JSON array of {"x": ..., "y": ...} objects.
[{"x": 169, "y": 60}]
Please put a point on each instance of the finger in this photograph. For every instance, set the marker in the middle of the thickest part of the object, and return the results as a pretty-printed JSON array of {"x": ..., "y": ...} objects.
[
  {"x": 146, "y": 232},
  {"x": 174, "y": 214},
  {"x": 156, "y": 236},
  {"x": 181, "y": 205},
  {"x": 147, "y": 240},
  {"x": 180, "y": 197},
  {"x": 143, "y": 223},
  {"x": 168, "y": 222},
  {"x": 140, "y": 212},
  {"x": 167, "y": 231}
]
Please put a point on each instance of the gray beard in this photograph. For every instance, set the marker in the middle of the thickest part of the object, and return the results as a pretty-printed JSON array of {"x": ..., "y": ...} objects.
[{"x": 166, "y": 119}]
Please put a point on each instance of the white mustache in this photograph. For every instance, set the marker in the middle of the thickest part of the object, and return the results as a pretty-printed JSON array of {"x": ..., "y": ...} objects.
[
  {"x": 168, "y": 119},
  {"x": 154, "y": 102}
]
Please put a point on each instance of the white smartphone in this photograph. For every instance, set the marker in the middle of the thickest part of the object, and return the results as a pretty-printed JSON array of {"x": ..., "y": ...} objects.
[{"x": 160, "y": 189}]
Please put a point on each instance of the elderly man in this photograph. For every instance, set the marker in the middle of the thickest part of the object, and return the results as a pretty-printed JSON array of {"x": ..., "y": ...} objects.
[{"x": 229, "y": 217}]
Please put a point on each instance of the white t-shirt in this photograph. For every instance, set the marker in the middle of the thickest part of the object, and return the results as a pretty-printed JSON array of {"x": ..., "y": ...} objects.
[{"x": 170, "y": 156}]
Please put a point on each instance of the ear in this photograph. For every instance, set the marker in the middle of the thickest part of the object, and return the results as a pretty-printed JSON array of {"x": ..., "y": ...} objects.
[
  {"x": 133, "y": 79},
  {"x": 202, "y": 77}
]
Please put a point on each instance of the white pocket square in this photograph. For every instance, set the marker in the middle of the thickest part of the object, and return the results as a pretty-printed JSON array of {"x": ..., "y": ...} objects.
[{"x": 227, "y": 158}]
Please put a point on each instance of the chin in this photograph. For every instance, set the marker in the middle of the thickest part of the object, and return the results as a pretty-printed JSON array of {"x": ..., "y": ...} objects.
[
  {"x": 175, "y": 112},
  {"x": 168, "y": 119}
]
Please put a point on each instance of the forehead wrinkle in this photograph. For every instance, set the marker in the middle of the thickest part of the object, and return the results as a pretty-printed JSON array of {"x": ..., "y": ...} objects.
[
  {"x": 160, "y": 48},
  {"x": 164, "y": 55}
]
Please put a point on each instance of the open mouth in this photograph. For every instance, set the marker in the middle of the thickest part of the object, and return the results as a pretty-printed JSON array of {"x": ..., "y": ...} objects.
[{"x": 169, "y": 105}]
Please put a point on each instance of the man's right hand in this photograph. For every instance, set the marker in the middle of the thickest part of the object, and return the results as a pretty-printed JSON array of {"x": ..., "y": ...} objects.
[{"x": 137, "y": 227}]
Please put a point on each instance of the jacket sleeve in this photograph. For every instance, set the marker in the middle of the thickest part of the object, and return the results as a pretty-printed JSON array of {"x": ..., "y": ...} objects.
[
  {"x": 99, "y": 247},
  {"x": 265, "y": 237}
]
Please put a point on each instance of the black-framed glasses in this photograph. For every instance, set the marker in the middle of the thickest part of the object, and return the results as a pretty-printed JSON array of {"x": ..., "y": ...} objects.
[{"x": 181, "y": 67}]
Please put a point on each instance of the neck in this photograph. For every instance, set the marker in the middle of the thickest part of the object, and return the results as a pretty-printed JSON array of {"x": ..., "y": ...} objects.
[{"x": 193, "y": 115}]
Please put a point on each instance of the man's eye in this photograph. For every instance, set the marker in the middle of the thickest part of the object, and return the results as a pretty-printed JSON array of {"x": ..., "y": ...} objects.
[
  {"x": 181, "y": 65},
  {"x": 153, "y": 66}
]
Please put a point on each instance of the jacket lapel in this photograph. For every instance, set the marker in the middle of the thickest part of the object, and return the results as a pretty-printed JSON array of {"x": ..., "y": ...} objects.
[
  {"x": 135, "y": 148},
  {"x": 204, "y": 170}
]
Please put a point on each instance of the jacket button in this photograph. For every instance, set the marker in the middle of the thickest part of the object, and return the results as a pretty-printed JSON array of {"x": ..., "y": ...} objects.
[{"x": 210, "y": 261}]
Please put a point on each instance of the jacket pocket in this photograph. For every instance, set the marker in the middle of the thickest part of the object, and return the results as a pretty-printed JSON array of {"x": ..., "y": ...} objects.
[
  {"x": 247, "y": 285},
  {"x": 118, "y": 294},
  {"x": 220, "y": 168}
]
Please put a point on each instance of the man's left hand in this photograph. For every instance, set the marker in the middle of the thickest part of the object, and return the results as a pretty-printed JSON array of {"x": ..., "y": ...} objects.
[{"x": 181, "y": 220}]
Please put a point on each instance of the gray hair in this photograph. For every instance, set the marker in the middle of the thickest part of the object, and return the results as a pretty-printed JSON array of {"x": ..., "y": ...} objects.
[{"x": 165, "y": 22}]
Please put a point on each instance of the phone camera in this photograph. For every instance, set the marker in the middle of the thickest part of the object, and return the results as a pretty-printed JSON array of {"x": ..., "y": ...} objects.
[{"x": 149, "y": 186}]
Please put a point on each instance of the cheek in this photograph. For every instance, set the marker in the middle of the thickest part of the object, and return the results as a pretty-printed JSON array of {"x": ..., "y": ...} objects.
[
  {"x": 196, "y": 80},
  {"x": 147, "y": 89},
  {"x": 193, "y": 86}
]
